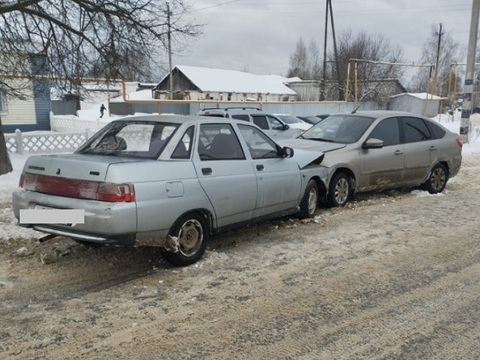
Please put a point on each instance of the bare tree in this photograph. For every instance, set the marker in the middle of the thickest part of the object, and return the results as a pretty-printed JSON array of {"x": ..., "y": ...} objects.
[
  {"x": 305, "y": 61},
  {"x": 448, "y": 53},
  {"x": 80, "y": 36},
  {"x": 375, "y": 49},
  {"x": 298, "y": 61}
]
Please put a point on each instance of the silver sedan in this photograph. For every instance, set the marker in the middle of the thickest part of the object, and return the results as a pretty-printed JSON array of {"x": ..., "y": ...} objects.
[
  {"x": 169, "y": 181},
  {"x": 373, "y": 150}
]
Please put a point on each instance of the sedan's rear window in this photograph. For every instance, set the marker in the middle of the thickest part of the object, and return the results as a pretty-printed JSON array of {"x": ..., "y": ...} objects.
[{"x": 137, "y": 139}]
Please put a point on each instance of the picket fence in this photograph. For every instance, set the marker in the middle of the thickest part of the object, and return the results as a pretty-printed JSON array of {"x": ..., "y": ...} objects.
[{"x": 67, "y": 134}]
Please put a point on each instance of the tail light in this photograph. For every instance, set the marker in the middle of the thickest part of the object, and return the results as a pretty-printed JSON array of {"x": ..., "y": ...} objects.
[
  {"x": 116, "y": 192},
  {"x": 79, "y": 189},
  {"x": 459, "y": 141}
]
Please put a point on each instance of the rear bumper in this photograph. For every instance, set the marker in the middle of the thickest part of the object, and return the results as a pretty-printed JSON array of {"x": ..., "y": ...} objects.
[
  {"x": 106, "y": 222},
  {"x": 125, "y": 239}
]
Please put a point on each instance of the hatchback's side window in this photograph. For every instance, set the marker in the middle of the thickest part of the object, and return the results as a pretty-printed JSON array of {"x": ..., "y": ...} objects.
[
  {"x": 184, "y": 146},
  {"x": 240, "y": 117},
  {"x": 388, "y": 131},
  {"x": 415, "y": 130},
  {"x": 259, "y": 145},
  {"x": 260, "y": 121},
  {"x": 275, "y": 124},
  {"x": 219, "y": 142},
  {"x": 436, "y": 131}
]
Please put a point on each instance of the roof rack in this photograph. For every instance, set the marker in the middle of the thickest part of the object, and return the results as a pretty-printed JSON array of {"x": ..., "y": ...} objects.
[{"x": 232, "y": 107}]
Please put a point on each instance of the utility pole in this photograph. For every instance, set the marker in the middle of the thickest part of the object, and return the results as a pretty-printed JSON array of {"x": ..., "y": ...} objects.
[
  {"x": 329, "y": 10},
  {"x": 322, "y": 93},
  {"x": 469, "y": 73},
  {"x": 439, "y": 33},
  {"x": 169, "y": 51}
]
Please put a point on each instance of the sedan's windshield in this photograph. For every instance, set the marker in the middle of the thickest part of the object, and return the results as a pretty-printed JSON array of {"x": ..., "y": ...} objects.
[{"x": 343, "y": 129}]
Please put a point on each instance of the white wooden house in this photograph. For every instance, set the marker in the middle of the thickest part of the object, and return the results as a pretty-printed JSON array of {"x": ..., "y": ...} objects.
[{"x": 31, "y": 112}]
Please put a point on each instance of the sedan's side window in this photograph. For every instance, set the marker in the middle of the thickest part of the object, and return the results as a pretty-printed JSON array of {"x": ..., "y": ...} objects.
[
  {"x": 184, "y": 146},
  {"x": 259, "y": 145},
  {"x": 219, "y": 142},
  {"x": 415, "y": 130},
  {"x": 388, "y": 131}
]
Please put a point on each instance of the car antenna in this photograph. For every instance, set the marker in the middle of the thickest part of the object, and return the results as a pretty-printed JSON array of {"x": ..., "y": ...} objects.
[{"x": 355, "y": 110}]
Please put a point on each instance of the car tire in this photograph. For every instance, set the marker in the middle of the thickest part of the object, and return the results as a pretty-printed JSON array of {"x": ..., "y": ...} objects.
[
  {"x": 192, "y": 232},
  {"x": 339, "y": 190},
  {"x": 437, "y": 180},
  {"x": 309, "y": 203}
]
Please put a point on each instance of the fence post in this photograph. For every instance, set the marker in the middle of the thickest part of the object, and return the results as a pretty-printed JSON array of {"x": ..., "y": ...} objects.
[
  {"x": 18, "y": 141},
  {"x": 87, "y": 134}
]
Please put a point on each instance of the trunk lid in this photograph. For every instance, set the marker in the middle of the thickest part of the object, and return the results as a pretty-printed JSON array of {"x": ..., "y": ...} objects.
[{"x": 72, "y": 166}]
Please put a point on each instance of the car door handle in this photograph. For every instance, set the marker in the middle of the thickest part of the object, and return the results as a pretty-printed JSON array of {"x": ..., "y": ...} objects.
[
  {"x": 432, "y": 148},
  {"x": 260, "y": 167},
  {"x": 207, "y": 171},
  {"x": 398, "y": 152}
]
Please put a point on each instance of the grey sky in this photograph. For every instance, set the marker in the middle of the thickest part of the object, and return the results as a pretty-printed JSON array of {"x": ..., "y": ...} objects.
[{"x": 260, "y": 35}]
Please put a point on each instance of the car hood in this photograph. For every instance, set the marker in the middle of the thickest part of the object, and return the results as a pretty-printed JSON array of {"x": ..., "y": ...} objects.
[
  {"x": 74, "y": 166},
  {"x": 305, "y": 157},
  {"x": 311, "y": 145}
]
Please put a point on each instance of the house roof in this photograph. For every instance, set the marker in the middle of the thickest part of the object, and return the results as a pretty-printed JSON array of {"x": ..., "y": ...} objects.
[
  {"x": 421, "y": 96},
  {"x": 219, "y": 80}
]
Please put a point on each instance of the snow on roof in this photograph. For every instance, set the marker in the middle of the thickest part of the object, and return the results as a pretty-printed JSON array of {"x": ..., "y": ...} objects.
[
  {"x": 135, "y": 95},
  {"x": 219, "y": 80},
  {"x": 421, "y": 96}
]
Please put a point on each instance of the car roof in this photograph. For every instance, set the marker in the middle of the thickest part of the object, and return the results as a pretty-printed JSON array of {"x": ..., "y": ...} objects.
[
  {"x": 384, "y": 113},
  {"x": 181, "y": 119}
]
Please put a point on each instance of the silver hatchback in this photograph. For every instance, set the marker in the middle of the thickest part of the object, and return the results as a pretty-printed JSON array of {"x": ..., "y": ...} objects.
[
  {"x": 373, "y": 150},
  {"x": 168, "y": 181}
]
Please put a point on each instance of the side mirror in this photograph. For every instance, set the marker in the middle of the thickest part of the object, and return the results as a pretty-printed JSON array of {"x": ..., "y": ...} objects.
[
  {"x": 373, "y": 144},
  {"x": 286, "y": 152},
  {"x": 286, "y": 127}
]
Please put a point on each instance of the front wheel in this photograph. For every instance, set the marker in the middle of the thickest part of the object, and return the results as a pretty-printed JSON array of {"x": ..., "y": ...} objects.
[
  {"x": 191, "y": 233},
  {"x": 308, "y": 205},
  {"x": 339, "y": 190},
  {"x": 437, "y": 180}
]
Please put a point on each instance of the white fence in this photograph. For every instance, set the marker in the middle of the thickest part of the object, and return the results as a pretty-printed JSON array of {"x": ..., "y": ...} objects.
[
  {"x": 45, "y": 142},
  {"x": 68, "y": 133}
]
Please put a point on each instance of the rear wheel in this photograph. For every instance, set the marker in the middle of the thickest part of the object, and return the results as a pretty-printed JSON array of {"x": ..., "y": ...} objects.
[
  {"x": 437, "y": 180},
  {"x": 309, "y": 203},
  {"x": 192, "y": 234},
  {"x": 339, "y": 189}
]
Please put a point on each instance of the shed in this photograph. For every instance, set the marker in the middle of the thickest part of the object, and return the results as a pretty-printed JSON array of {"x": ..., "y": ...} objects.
[
  {"x": 199, "y": 83},
  {"x": 417, "y": 103}
]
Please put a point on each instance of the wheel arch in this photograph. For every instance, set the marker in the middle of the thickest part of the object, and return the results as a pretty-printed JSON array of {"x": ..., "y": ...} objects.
[
  {"x": 322, "y": 187},
  {"x": 349, "y": 172},
  {"x": 206, "y": 214}
]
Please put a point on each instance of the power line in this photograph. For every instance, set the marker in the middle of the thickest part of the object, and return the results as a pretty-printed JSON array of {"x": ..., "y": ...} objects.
[{"x": 214, "y": 6}]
